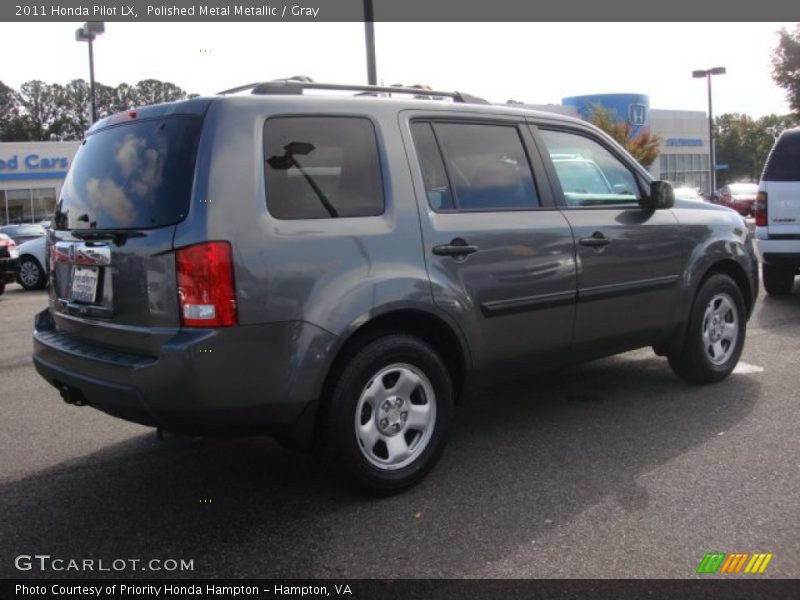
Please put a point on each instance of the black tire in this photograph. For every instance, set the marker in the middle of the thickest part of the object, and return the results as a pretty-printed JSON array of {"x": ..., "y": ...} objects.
[
  {"x": 694, "y": 362},
  {"x": 2, "y": 287},
  {"x": 34, "y": 276},
  {"x": 387, "y": 356},
  {"x": 778, "y": 279}
]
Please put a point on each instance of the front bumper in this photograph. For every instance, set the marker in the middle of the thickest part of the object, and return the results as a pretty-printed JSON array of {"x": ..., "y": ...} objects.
[{"x": 240, "y": 380}]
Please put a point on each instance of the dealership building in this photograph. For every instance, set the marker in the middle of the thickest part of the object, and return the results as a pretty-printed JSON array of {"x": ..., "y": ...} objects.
[
  {"x": 32, "y": 173},
  {"x": 31, "y": 176},
  {"x": 683, "y": 152}
]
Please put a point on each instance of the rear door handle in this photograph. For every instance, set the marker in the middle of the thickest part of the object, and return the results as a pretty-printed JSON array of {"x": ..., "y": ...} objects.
[
  {"x": 457, "y": 248},
  {"x": 597, "y": 240}
]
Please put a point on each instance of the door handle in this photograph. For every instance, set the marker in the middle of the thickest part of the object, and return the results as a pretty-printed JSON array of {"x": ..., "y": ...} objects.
[
  {"x": 457, "y": 248},
  {"x": 597, "y": 240}
]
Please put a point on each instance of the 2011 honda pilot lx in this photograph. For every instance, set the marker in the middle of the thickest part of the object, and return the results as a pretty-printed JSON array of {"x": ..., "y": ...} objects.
[{"x": 340, "y": 269}]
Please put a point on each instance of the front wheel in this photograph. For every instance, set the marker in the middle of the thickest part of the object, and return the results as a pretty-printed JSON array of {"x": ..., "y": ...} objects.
[
  {"x": 715, "y": 333},
  {"x": 389, "y": 413}
]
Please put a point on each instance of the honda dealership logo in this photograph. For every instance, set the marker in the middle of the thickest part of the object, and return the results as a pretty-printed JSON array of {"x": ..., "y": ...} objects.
[{"x": 636, "y": 114}]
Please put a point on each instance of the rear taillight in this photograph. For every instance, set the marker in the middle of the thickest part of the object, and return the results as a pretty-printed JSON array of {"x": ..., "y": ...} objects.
[
  {"x": 761, "y": 209},
  {"x": 206, "y": 289},
  {"x": 11, "y": 246}
]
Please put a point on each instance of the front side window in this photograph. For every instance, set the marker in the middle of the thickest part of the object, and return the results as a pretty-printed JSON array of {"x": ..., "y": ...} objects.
[
  {"x": 322, "y": 168},
  {"x": 470, "y": 166},
  {"x": 588, "y": 173}
]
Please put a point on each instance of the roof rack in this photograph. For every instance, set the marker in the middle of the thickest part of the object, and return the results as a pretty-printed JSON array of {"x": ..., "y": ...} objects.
[{"x": 296, "y": 87}]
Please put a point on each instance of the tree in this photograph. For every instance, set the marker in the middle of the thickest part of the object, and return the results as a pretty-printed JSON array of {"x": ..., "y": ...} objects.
[
  {"x": 153, "y": 91},
  {"x": 11, "y": 126},
  {"x": 42, "y": 111},
  {"x": 75, "y": 104},
  {"x": 42, "y": 104},
  {"x": 743, "y": 143},
  {"x": 643, "y": 146},
  {"x": 786, "y": 66}
]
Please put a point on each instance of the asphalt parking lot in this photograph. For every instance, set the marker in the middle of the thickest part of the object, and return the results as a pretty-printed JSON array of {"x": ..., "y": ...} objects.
[{"x": 614, "y": 469}]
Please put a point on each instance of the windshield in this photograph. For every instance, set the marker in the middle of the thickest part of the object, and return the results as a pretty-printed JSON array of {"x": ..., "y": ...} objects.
[{"x": 132, "y": 176}]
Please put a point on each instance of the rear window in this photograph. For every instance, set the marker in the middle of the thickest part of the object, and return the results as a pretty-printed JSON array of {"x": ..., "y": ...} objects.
[
  {"x": 322, "y": 168},
  {"x": 783, "y": 163},
  {"x": 132, "y": 176}
]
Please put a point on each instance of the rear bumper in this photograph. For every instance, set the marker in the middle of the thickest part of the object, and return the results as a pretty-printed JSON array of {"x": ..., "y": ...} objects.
[
  {"x": 784, "y": 252},
  {"x": 9, "y": 268},
  {"x": 238, "y": 380}
]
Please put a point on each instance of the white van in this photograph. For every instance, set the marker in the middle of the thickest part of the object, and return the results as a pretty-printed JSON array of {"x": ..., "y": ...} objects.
[{"x": 778, "y": 215}]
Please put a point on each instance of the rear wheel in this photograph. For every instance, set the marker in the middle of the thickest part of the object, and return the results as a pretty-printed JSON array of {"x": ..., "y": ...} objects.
[
  {"x": 389, "y": 412},
  {"x": 778, "y": 279},
  {"x": 715, "y": 333},
  {"x": 31, "y": 275},
  {"x": 2, "y": 287}
]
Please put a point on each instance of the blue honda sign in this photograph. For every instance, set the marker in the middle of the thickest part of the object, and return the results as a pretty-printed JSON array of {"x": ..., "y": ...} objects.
[{"x": 633, "y": 108}]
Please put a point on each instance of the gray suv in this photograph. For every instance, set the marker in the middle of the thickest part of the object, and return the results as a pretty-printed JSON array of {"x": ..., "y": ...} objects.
[{"x": 338, "y": 270}]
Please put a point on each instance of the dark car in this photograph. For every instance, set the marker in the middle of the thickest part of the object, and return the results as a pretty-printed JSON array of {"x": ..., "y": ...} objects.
[
  {"x": 9, "y": 261},
  {"x": 739, "y": 196},
  {"x": 23, "y": 233},
  {"x": 337, "y": 271}
]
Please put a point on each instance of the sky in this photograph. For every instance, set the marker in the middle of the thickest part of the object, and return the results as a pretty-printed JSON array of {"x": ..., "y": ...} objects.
[{"x": 537, "y": 63}]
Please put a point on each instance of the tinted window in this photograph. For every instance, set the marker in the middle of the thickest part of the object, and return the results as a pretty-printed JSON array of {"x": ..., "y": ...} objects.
[
  {"x": 437, "y": 188},
  {"x": 783, "y": 163},
  {"x": 487, "y": 166},
  {"x": 589, "y": 174},
  {"x": 322, "y": 167},
  {"x": 138, "y": 175}
]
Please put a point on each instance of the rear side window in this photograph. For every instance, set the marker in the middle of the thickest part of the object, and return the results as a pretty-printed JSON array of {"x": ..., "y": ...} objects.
[
  {"x": 132, "y": 176},
  {"x": 322, "y": 168},
  {"x": 486, "y": 165},
  {"x": 783, "y": 163}
]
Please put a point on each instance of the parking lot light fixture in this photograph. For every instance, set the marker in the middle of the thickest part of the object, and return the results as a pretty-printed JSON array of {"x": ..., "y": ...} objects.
[
  {"x": 707, "y": 73},
  {"x": 88, "y": 33}
]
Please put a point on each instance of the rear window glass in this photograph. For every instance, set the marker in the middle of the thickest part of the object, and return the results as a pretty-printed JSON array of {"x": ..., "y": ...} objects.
[
  {"x": 322, "y": 168},
  {"x": 132, "y": 176},
  {"x": 783, "y": 163}
]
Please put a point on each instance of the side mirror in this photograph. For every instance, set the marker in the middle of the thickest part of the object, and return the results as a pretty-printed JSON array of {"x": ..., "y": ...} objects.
[{"x": 661, "y": 196}]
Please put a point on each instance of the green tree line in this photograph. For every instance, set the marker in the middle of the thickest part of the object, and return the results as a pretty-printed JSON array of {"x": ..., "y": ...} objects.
[
  {"x": 41, "y": 111},
  {"x": 743, "y": 143}
]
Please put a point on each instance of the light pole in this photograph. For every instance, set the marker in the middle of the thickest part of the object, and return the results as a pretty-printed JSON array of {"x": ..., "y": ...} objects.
[
  {"x": 87, "y": 33},
  {"x": 369, "y": 34},
  {"x": 707, "y": 73}
]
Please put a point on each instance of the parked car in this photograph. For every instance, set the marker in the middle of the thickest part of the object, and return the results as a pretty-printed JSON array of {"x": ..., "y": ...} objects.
[
  {"x": 24, "y": 232},
  {"x": 9, "y": 261},
  {"x": 739, "y": 196},
  {"x": 33, "y": 264},
  {"x": 358, "y": 264},
  {"x": 778, "y": 215}
]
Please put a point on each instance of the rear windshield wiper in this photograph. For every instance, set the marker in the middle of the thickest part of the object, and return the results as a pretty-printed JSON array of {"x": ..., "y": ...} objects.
[{"x": 118, "y": 236}]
